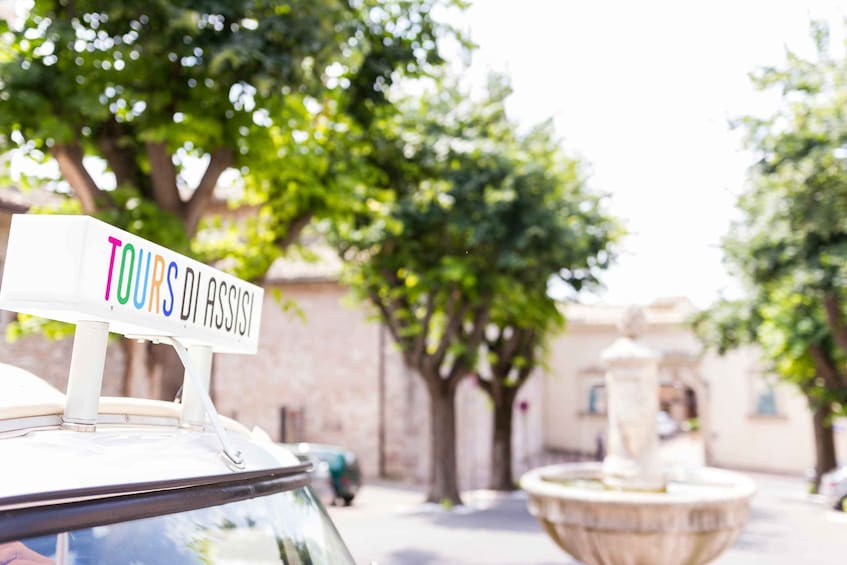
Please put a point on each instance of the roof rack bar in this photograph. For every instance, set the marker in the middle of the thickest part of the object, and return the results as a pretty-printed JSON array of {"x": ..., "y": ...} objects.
[
  {"x": 232, "y": 456},
  {"x": 193, "y": 411},
  {"x": 85, "y": 377}
]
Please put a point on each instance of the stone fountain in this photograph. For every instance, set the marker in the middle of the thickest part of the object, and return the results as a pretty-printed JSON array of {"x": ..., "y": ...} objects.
[{"x": 631, "y": 510}]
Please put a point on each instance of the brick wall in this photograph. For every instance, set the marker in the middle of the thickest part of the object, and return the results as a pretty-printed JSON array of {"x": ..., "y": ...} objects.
[
  {"x": 51, "y": 360},
  {"x": 323, "y": 368}
]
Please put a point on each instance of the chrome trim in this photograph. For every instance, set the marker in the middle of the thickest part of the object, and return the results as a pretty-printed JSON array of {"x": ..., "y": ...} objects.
[
  {"x": 78, "y": 426},
  {"x": 134, "y": 420},
  {"x": 22, "y": 426}
]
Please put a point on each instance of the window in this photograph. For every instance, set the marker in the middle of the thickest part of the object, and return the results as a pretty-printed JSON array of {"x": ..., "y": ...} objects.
[
  {"x": 764, "y": 398},
  {"x": 597, "y": 398},
  {"x": 289, "y": 528},
  {"x": 766, "y": 401}
]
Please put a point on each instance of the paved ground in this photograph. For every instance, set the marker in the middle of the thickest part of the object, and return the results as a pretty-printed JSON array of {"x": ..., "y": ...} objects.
[{"x": 388, "y": 525}]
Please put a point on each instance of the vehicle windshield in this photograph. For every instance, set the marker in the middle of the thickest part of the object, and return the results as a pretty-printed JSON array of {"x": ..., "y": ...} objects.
[{"x": 290, "y": 528}]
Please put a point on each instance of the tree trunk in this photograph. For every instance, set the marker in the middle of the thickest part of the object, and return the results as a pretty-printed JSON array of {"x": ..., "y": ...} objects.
[
  {"x": 150, "y": 371},
  {"x": 166, "y": 372},
  {"x": 136, "y": 374},
  {"x": 443, "y": 479},
  {"x": 824, "y": 443},
  {"x": 501, "y": 446}
]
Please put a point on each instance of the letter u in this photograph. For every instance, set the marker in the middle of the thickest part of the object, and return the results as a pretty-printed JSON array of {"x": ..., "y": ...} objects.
[{"x": 139, "y": 304}]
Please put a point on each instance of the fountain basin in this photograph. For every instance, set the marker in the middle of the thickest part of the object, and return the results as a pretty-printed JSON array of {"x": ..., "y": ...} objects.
[{"x": 698, "y": 516}]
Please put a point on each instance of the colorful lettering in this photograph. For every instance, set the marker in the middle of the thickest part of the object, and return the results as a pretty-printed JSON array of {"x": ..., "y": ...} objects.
[
  {"x": 197, "y": 297},
  {"x": 139, "y": 303},
  {"x": 208, "y": 316},
  {"x": 158, "y": 278},
  {"x": 229, "y": 321},
  {"x": 115, "y": 244},
  {"x": 128, "y": 248},
  {"x": 219, "y": 318},
  {"x": 187, "y": 294},
  {"x": 151, "y": 280},
  {"x": 168, "y": 309}
]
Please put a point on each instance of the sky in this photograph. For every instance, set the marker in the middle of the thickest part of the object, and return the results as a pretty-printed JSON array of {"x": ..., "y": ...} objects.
[{"x": 644, "y": 92}]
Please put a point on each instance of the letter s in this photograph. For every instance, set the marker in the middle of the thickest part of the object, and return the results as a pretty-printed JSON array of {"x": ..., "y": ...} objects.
[{"x": 168, "y": 309}]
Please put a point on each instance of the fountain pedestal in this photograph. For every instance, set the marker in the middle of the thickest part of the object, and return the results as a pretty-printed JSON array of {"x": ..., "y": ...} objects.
[
  {"x": 630, "y": 510},
  {"x": 632, "y": 461}
]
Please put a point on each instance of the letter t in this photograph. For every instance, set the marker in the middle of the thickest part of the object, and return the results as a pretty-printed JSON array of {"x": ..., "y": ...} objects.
[{"x": 115, "y": 244}]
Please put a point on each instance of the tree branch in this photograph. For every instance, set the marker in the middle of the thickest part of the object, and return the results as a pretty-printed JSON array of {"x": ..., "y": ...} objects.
[
  {"x": 826, "y": 367},
  {"x": 474, "y": 338},
  {"x": 834, "y": 320},
  {"x": 391, "y": 324},
  {"x": 420, "y": 347},
  {"x": 119, "y": 156},
  {"x": 69, "y": 157},
  {"x": 472, "y": 341},
  {"x": 528, "y": 349},
  {"x": 221, "y": 159},
  {"x": 163, "y": 174},
  {"x": 486, "y": 385},
  {"x": 295, "y": 227},
  {"x": 451, "y": 328},
  {"x": 506, "y": 353}
]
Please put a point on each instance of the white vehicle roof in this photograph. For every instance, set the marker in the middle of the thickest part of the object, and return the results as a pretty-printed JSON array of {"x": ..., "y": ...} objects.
[
  {"x": 136, "y": 441},
  {"x": 58, "y": 447}
]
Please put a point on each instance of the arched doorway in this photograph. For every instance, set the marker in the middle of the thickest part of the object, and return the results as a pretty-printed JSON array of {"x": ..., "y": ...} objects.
[{"x": 684, "y": 401}]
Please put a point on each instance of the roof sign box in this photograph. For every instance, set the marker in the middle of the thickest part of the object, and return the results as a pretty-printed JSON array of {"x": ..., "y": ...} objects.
[{"x": 74, "y": 268}]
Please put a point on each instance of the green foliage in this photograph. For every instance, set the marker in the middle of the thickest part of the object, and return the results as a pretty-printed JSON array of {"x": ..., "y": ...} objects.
[
  {"x": 142, "y": 217},
  {"x": 275, "y": 93},
  {"x": 466, "y": 224},
  {"x": 25, "y": 325},
  {"x": 790, "y": 244},
  {"x": 199, "y": 73},
  {"x": 273, "y": 85},
  {"x": 473, "y": 215}
]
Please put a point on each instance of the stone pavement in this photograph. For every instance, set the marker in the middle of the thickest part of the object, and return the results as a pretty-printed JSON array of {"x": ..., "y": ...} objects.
[{"x": 388, "y": 524}]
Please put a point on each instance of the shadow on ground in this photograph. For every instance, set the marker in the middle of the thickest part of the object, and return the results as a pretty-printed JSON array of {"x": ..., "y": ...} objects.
[
  {"x": 414, "y": 557},
  {"x": 507, "y": 514}
]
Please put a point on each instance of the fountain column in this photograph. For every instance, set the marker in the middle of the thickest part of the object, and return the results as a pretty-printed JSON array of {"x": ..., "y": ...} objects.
[
  {"x": 640, "y": 518},
  {"x": 632, "y": 389}
]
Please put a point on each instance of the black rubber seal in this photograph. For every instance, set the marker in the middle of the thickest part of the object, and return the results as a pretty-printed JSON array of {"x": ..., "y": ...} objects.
[{"x": 42, "y": 514}]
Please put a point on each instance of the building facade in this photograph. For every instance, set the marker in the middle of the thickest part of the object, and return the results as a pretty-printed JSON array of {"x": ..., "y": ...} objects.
[
  {"x": 327, "y": 372},
  {"x": 747, "y": 419}
]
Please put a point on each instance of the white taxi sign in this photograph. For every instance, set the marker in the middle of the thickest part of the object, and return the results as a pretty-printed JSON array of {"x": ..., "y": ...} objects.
[{"x": 77, "y": 268}]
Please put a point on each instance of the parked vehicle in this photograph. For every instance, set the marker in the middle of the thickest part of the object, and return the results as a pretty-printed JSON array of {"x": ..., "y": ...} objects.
[
  {"x": 665, "y": 425},
  {"x": 89, "y": 480},
  {"x": 334, "y": 466},
  {"x": 834, "y": 488}
]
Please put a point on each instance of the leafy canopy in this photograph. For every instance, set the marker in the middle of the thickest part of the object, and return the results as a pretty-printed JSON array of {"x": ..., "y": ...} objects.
[
  {"x": 476, "y": 219},
  {"x": 789, "y": 246},
  {"x": 262, "y": 89}
]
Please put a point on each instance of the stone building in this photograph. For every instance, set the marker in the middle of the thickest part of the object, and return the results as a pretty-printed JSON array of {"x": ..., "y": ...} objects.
[
  {"x": 747, "y": 418},
  {"x": 326, "y": 372}
]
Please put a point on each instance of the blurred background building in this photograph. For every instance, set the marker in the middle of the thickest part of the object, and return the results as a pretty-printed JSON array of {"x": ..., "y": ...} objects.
[{"x": 326, "y": 372}]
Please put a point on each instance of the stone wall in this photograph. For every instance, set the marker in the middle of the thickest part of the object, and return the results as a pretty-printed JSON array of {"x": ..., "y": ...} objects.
[
  {"x": 51, "y": 360},
  {"x": 324, "y": 366},
  {"x": 321, "y": 362}
]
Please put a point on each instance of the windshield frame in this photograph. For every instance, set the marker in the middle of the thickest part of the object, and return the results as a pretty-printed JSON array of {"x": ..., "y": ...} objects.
[{"x": 39, "y": 514}]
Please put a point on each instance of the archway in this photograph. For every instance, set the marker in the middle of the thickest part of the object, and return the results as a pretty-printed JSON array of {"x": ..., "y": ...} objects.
[{"x": 684, "y": 397}]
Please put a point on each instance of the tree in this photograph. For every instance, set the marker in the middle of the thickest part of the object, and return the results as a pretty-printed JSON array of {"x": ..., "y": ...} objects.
[
  {"x": 262, "y": 89},
  {"x": 790, "y": 245},
  {"x": 571, "y": 240},
  {"x": 788, "y": 327},
  {"x": 471, "y": 218}
]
